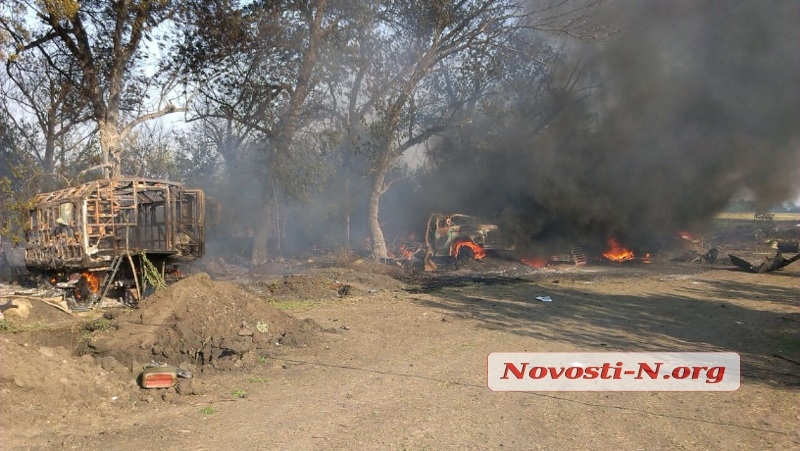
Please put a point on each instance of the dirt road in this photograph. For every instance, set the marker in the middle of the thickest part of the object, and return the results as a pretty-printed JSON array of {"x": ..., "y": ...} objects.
[{"x": 402, "y": 365}]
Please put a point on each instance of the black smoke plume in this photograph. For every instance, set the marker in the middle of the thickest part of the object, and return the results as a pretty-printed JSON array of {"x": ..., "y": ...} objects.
[{"x": 690, "y": 103}]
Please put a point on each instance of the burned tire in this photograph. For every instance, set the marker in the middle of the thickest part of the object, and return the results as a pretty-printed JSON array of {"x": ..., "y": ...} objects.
[
  {"x": 82, "y": 292},
  {"x": 464, "y": 254},
  {"x": 711, "y": 256}
]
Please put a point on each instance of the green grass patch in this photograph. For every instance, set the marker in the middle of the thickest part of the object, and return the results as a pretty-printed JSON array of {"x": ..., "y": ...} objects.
[
  {"x": 101, "y": 324},
  {"x": 12, "y": 328},
  {"x": 256, "y": 380},
  {"x": 5, "y": 326},
  {"x": 208, "y": 410},
  {"x": 239, "y": 393}
]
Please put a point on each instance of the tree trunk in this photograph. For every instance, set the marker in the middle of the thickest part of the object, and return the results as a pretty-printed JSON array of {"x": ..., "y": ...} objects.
[
  {"x": 263, "y": 229},
  {"x": 49, "y": 162},
  {"x": 378, "y": 242},
  {"x": 110, "y": 145},
  {"x": 347, "y": 211}
]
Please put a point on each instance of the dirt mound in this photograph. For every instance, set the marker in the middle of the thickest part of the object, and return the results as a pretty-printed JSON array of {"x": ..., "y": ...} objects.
[
  {"x": 200, "y": 323},
  {"x": 40, "y": 384}
]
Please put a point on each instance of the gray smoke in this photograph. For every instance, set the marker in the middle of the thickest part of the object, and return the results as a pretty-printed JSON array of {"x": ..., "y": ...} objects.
[{"x": 691, "y": 103}]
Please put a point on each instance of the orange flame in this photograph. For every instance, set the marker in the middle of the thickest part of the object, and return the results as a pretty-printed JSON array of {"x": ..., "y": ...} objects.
[
  {"x": 93, "y": 281},
  {"x": 535, "y": 262},
  {"x": 175, "y": 271},
  {"x": 405, "y": 252},
  {"x": 477, "y": 252},
  {"x": 616, "y": 252},
  {"x": 688, "y": 236}
]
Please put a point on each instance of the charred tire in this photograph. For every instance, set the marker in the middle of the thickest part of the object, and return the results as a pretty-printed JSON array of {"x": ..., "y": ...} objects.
[
  {"x": 464, "y": 254},
  {"x": 711, "y": 256},
  {"x": 82, "y": 292}
]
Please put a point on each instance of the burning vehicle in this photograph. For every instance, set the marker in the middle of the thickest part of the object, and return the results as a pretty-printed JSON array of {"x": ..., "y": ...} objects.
[
  {"x": 115, "y": 237},
  {"x": 462, "y": 237}
]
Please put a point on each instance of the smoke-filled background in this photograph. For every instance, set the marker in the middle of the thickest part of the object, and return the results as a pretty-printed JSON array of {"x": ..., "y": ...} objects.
[{"x": 651, "y": 130}]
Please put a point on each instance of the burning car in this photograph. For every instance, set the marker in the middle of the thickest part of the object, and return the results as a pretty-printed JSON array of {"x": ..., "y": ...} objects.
[
  {"x": 462, "y": 237},
  {"x": 114, "y": 235}
]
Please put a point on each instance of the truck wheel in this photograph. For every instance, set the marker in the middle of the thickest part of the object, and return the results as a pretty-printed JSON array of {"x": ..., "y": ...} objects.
[{"x": 464, "y": 254}]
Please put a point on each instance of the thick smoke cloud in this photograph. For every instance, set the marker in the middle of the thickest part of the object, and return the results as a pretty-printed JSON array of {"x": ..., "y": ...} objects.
[{"x": 691, "y": 103}]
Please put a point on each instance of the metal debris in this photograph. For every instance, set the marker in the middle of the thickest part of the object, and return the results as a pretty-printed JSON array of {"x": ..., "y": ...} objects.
[{"x": 768, "y": 264}]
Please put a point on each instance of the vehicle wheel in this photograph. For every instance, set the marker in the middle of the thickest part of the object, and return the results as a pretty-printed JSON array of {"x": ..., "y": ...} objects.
[
  {"x": 711, "y": 256},
  {"x": 82, "y": 292},
  {"x": 464, "y": 254}
]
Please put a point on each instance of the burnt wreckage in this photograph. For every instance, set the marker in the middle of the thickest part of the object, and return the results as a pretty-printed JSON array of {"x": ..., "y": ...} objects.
[
  {"x": 462, "y": 236},
  {"x": 116, "y": 237},
  {"x": 767, "y": 264}
]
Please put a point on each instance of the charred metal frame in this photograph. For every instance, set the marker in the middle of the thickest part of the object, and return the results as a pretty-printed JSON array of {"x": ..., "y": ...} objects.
[
  {"x": 86, "y": 226},
  {"x": 443, "y": 231}
]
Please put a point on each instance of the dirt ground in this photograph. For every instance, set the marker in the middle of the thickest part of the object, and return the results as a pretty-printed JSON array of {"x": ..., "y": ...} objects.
[{"x": 335, "y": 354}]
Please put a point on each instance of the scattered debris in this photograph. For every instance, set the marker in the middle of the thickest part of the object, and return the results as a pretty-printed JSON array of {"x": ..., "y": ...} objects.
[
  {"x": 159, "y": 377},
  {"x": 786, "y": 244},
  {"x": 162, "y": 375},
  {"x": 544, "y": 298},
  {"x": 55, "y": 302},
  {"x": 768, "y": 264},
  {"x": 709, "y": 257},
  {"x": 20, "y": 308},
  {"x": 578, "y": 256}
]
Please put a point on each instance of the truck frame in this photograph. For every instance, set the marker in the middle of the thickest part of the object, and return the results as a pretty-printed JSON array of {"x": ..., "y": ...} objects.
[{"x": 79, "y": 237}]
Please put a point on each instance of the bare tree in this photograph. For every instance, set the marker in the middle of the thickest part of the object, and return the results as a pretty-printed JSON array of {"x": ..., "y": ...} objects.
[
  {"x": 427, "y": 63},
  {"x": 395, "y": 103},
  {"x": 394, "y": 74},
  {"x": 54, "y": 105},
  {"x": 265, "y": 75},
  {"x": 108, "y": 42}
]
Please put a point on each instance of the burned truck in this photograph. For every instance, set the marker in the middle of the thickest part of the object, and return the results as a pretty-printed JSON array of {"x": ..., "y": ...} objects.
[
  {"x": 463, "y": 237},
  {"x": 115, "y": 237}
]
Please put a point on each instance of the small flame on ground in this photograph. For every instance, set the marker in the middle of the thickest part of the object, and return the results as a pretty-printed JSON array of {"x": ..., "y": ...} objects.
[
  {"x": 688, "y": 237},
  {"x": 405, "y": 252},
  {"x": 175, "y": 271},
  {"x": 477, "y": 252},
  {"x": 536, "y": 262},
  {"x": 616, "y": 252}
]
